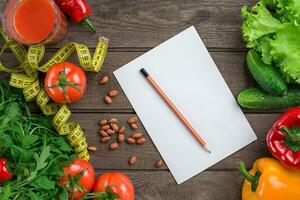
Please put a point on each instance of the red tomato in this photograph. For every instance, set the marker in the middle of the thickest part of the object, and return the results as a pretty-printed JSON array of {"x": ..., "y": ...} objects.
[
  {"x": 65, "y": 82},
  {"x": 86, "y": 181},
  {"x": 120, "y": 184}
]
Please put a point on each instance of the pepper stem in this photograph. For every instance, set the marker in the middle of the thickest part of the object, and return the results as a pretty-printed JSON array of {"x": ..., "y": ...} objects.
[
  {"x": 294, "y": 138},
  {"x": 254, "y": 180},
  {"x": 89, "y": 24},
  {"x": 243, "y": 170}
]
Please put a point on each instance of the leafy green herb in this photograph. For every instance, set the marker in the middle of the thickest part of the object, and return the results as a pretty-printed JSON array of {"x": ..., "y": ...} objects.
[{"x": 36, "y": 153}]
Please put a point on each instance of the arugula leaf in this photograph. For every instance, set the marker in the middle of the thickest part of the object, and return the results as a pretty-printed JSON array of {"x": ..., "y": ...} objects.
[
  {"x": 5, "y": 141},
  {"x": 41, "y": 160},
  {"x": 5, "y": 193},
  {"x": 28, "y": 140},
  {"x": 63, "y": 194},
  {"x": 43, "y": 182},
  {"x": 33, "y": 196},
  {"x": 37, "y": 153}
]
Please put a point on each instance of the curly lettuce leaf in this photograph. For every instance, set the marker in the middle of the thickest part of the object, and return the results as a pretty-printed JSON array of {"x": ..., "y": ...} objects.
[
  {"x": 263, "y": 46},
  {"x": 285, "y": 10},
  {"x": 285, "y": 51},
  {"x": 258, "y": 23},
  {"x": 272, "y": 28}
]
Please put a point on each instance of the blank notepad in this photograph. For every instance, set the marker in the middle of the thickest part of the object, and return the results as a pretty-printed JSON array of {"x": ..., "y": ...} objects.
[{"x": 186, "y": 72}]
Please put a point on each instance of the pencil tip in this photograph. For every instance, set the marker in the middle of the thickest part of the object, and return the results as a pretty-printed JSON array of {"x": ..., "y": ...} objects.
[
  {"x": 206, "y": 148},
  {"x": 144, "y": 72}
]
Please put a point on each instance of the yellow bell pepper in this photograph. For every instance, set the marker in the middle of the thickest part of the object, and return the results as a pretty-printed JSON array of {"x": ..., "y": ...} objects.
[{"x": 269, "y": 180}]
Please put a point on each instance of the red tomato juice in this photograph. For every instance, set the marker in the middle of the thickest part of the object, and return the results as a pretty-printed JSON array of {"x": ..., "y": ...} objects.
[{"x": 34, "y": 20}]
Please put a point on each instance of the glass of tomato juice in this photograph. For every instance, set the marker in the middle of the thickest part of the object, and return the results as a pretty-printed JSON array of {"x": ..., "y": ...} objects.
[{"x": 34, "y": 21}]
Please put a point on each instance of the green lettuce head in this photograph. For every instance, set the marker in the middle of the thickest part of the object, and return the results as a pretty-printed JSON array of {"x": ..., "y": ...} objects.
[{"x": 271, "y": 27}]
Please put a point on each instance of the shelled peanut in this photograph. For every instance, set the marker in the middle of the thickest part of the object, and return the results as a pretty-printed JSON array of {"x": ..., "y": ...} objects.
[
  {"x": 108, "y": 99},
  {"x": 112, "y": 130}
]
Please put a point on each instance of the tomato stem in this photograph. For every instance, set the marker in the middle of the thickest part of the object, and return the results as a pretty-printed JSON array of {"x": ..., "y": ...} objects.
[
  {"x": 107, "y": 195},
  {"x": 63, "y": 83}
]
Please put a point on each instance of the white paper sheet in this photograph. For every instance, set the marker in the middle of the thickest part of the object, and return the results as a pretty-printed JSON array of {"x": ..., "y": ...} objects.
[{"x": 185, "y": 71}]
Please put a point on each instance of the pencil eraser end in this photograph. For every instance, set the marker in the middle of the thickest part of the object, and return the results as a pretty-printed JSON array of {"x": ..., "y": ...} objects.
[{"x": 144, "y": 72}]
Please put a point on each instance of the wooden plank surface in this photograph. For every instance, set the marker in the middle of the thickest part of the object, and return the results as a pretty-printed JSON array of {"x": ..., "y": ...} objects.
[
  {"x": 136, "y": 23},
  {"x": 231, "y": 65}
]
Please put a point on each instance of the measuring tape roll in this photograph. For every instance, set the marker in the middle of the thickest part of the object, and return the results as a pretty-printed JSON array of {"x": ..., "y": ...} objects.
[{"x": 25, "y": 77}]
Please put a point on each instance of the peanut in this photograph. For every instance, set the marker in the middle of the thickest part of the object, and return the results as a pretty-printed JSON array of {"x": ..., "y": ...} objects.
[
  {"x": 113, "y": 146},
  {"x": 110, "y": 132},
  {"x": 92, "y": 148},
  {"x": 113, "y": 120},
  {"x": 105, "y": 139},
  {"x": 122, "y": 130},
  {"x": 103, "y": 133},
  {"x": 103, "y": 122},
  {"x": 107, "y": 100},
  {"x": 105, "y": 127},
  {"x": 136, "y": 135},
  {"x": 141, "y": 141},
  {"x": 115, "y": 127},
  {"x": 159, "y": 163},
  {"x": 132, "y": 120},
  {"x": 103, "y": 80},
  {"x": 113, "y": 93},
  {"x": 132, "y": 160},
  {"x": 130, "y": 140},
  {"x": 134, "y": 126},
  {"x": 121, "y": 138}
]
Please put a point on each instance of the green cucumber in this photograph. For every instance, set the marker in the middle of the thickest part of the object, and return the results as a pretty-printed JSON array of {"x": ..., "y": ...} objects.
[
  {"x": 267, "y": 77},
  {"x": 254, "y": 98}
]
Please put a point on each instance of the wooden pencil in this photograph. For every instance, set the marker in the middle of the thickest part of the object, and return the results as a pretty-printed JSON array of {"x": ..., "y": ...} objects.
[{"x": 175, "y": 110}]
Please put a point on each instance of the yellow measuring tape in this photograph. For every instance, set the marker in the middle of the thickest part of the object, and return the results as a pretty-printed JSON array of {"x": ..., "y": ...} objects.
[{"x": 25, "y": 76}]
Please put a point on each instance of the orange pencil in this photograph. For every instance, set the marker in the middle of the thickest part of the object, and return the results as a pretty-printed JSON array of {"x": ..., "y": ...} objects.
[{"x": 176, "y": 111}]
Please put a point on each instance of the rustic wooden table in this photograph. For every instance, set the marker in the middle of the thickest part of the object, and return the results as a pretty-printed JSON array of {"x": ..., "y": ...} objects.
[{"x": 134, "y": 27}]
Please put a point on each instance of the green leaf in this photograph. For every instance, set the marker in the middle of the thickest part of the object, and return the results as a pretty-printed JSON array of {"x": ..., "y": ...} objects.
[
  {"x": 13, "y": 112},
  {"x": 63, "y": 194},
  {"x": 285, "y": 51},
  {"x": 285, "y": 10},
  {"x": 33, "y": 196},
  {"x": 15, "y": 127},
  {"x": 29, "y": 140},
  {"x": 258, "y": 23},
  {"x": 55, "y": 172},
  {"x": 43, "y": 182},
  {"x": 61, "y": 144},
  {"x": 5, "y": 192},
  {"x": 30, "y": 143},
  {"x": 41, "y": 160},
  {"x": 5, "y": 140}
]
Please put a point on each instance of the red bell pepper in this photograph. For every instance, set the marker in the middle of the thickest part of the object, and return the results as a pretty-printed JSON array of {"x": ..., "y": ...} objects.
[
  {"x": 283, "y": 139},
  {"x": 78, "y": 10},
  {"x": 5, "y": 173}
]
